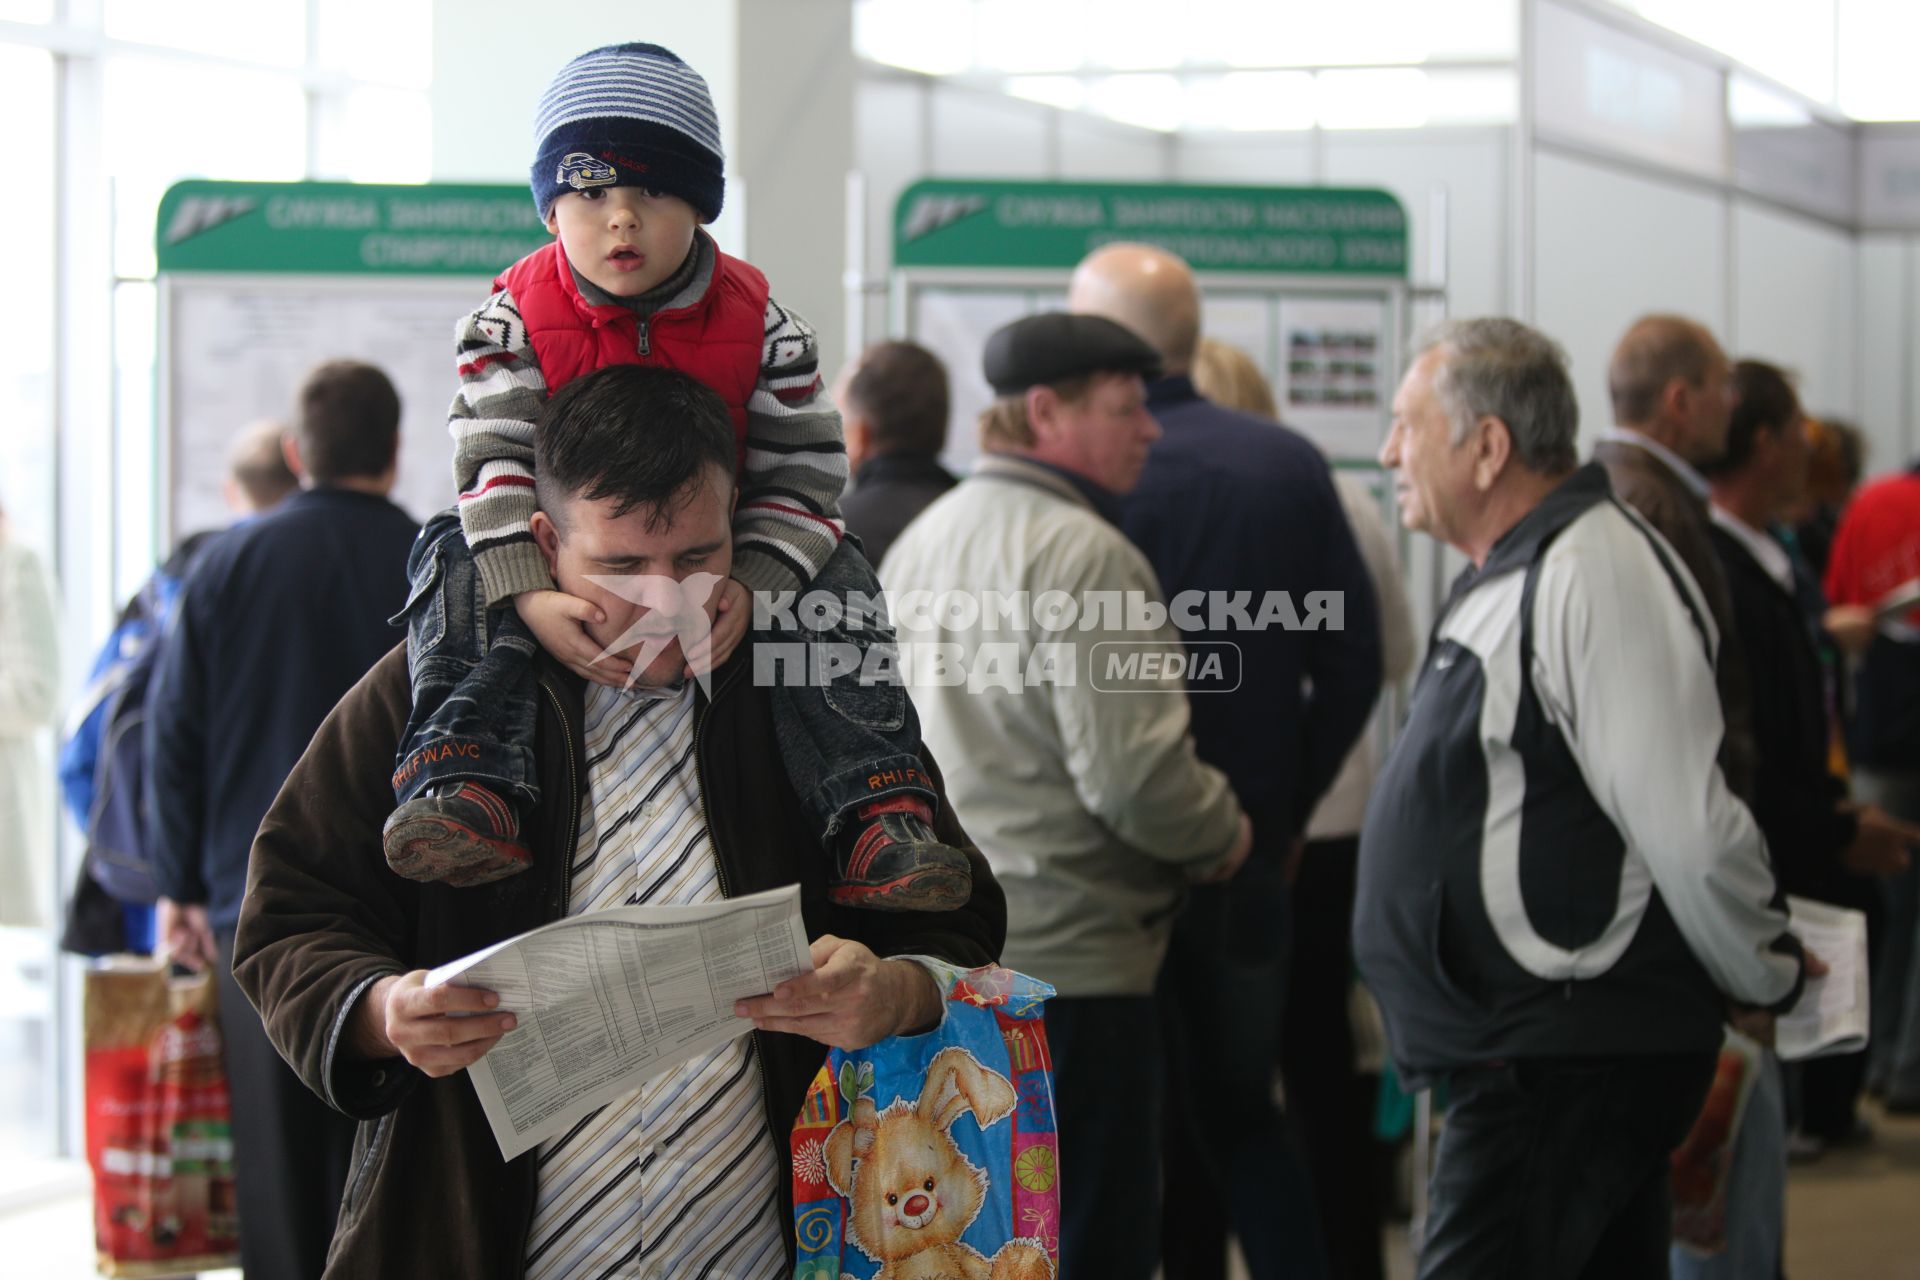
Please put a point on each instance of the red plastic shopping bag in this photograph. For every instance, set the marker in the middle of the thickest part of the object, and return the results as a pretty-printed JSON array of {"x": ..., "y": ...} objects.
[{"x": 158, "y": 1136}]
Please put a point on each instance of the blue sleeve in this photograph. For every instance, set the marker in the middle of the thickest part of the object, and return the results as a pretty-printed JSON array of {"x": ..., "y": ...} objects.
[
  {"x": 80, "y": 754},
  {"x": 1344, "y": 665},
  {"x": 79, "y": 758},
  {"x": 176, "y": 755}
]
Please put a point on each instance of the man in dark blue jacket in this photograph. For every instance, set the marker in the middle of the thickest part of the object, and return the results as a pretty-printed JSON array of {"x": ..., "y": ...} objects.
[
  {"x": 1239, "y": 516},
  {"x": 276, "y": 621},
  {"x": 894, "y": 403}
]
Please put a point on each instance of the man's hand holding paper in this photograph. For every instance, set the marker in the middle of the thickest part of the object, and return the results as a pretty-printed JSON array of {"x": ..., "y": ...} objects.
[
  {"x": 440, "y": 1029},
  {"x": 851, "y": 1000}
]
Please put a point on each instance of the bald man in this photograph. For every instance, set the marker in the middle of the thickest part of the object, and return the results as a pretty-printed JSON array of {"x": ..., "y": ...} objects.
[
  {"x": 1673, "y": 397},
  {"x": 1244, "y": 510},
  {"x": 258, "y": 476}
]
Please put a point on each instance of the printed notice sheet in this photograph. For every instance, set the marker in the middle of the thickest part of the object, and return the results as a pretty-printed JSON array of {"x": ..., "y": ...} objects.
[
  {"x": 608, "y": 999},
  {"x": 1831, "y": 1016}
]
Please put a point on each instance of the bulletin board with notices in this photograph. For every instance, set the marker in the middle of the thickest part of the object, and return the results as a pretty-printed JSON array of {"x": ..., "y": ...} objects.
[
  {"x": 1310, "y": 282},
  {"x": 260, "y": 281}
]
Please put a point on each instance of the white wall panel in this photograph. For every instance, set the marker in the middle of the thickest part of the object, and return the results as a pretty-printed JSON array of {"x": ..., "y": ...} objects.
[
  {"x": 1890, "y": 175},
  {"x": 795, "y": 145},
  {"x": 1599, "y": 86},
  {"x": 1273, "y": 160},
  {"x": 979, "y": 136},
  {"x": 1610, "y": 247},
  {"x": 1908, "y": 447},
  {"x": 483, "y": 100},
  {"x": 1471, "y": 166},
  {"x": 1794, "y": 303},
  {"x": 1094, "y": 149},
  {"x": 1884, "y": 269},
  {"x": 889, "y": 120}
]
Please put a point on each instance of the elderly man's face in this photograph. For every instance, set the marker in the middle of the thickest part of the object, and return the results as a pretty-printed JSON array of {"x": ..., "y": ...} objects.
[
  {"x": 1435, "y": 476},
  {"x": 1105, "y": 435},
  {"x": 654, "y": 574}
]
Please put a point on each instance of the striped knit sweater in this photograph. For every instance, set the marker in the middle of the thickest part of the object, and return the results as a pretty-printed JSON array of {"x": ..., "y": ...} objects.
[{"x": 788, "y": 521}]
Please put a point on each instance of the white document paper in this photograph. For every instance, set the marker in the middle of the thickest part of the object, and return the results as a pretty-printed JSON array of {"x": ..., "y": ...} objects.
[
  {"x": 1897, "y": 602},
  {"x": 1831, "y": 1017},
  {"x": 609, "y": 999}
]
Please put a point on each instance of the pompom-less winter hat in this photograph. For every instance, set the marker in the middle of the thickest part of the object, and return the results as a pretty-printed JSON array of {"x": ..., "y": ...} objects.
[{"x": 629, "y": 115}]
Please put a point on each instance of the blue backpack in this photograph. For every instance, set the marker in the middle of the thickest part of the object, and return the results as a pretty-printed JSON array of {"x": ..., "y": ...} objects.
[{"x": 103, "y": 761}]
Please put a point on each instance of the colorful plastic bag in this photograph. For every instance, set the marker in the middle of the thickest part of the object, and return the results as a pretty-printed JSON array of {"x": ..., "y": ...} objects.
[
  {"x": 1703, "y": 1163},
  {"x": 935, "y": 1154},
  {"x": 158, "y": 1117}
]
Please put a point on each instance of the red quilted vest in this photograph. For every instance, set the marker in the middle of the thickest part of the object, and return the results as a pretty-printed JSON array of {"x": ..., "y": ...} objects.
[{"x": 719, "y": 339}]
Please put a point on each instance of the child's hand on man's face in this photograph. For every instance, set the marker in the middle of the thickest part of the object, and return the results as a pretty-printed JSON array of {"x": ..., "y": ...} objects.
[
  {"x": 559, "y": 622},
  {"x": 729, "y": 628}
]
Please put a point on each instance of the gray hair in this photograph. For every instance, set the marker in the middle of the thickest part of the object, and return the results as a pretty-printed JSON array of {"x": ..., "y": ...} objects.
[{"x": 1495, "y": 367}]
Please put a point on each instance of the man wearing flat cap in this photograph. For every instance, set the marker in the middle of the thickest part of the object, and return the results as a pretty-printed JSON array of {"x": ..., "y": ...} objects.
[{"x": 1066, "y": 744}]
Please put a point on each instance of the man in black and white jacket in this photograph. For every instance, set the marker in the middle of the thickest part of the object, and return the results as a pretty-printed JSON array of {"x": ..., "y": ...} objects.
[{"x": 1558, "y": 893}]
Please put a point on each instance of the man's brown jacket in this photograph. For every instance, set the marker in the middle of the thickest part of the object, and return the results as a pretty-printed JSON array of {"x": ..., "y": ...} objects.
[{"x": 324, "y": 918}]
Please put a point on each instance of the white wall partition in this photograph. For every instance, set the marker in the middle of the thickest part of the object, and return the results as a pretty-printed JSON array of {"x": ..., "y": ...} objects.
[
  {"x": 1796, "y": 303},
  {"x": 1884, "y": 271},
  {"x": 1279, "y": 159},
  {"x": 1610, "y": 246},
  {"x": 1468, "y": 169}
]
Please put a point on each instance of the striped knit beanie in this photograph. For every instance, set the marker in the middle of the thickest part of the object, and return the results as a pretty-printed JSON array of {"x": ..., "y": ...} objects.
[{"x": 629, "y": 115}]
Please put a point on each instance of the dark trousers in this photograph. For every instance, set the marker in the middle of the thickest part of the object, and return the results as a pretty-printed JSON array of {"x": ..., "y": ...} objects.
[
  {"x": 1232, "y": 1158},
  {"x": 290, "y": 1150},
  {"x": 1556, "y": 1169},
  {"x": 1108, "y": 1086},
  {"x": 846, "y": 740},
  {"x": 1330, "y": 1104}
]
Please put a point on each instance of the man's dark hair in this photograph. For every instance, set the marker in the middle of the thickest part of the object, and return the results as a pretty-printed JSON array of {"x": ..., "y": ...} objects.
[
  {"x": 1767, "y": 403},
  {"x": 901, "y": 388},
  {"x": 636, "y": 434},
  {"x": 347, "y": 422}
]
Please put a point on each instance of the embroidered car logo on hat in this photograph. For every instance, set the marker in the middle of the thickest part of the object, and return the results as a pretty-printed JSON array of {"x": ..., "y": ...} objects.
[{"x": 580, "y": 170}]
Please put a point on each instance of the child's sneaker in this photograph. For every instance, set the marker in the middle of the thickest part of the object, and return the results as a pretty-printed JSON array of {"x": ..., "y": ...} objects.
[
  {"x": 892, "y": 861},
  {"x": 460, "y": 835}
]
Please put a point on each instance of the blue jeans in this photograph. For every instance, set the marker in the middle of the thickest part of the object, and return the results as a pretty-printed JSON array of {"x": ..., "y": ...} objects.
[
  {"x": 1893, "y": 1046},
  {"x": 472, "y": 670},
  {"x": 845, "y": 742},
  {"x": 1556, "y": 1169},
  {"x": 846, "y": 739},
  {"x": 1108, "y": 1086}
]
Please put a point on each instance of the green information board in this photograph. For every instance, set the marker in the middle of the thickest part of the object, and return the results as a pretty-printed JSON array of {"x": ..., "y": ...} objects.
[
  {"x": 1282, "y": 230},
  {"x": 335, "y": 228}
]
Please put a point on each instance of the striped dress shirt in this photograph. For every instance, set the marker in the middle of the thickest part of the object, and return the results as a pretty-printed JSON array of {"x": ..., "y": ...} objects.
[{"x": 681, "y": 1176}]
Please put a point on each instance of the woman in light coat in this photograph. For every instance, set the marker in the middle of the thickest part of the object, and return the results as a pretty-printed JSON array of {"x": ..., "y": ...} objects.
[{"x": 29, "y": 683}]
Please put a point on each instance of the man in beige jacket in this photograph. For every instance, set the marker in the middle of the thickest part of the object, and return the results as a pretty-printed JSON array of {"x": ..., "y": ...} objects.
[{"x": 1058, "y": 710}]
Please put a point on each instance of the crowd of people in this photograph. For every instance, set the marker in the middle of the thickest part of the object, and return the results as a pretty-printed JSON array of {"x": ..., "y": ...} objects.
[{"x": 1671, "y": 688}]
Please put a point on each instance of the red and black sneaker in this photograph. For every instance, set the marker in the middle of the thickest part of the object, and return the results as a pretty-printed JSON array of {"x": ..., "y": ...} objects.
[
  {"x": 894, "y": 862},
  {"x": 463, "y": 835}
]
